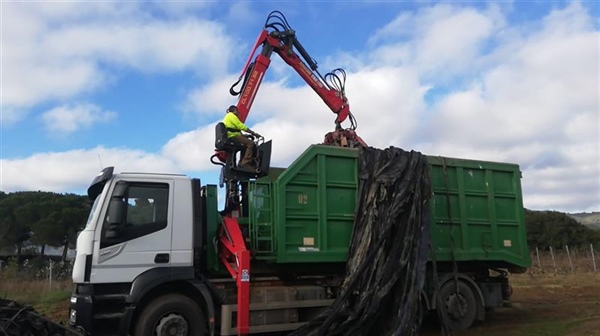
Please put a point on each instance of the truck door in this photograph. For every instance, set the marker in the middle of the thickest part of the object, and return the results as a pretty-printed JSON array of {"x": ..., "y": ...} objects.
[{"x": 135, "y": 234}]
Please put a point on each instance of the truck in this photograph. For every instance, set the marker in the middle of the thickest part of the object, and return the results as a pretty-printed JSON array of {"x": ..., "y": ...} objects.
[{"x": 158, "y": 257}]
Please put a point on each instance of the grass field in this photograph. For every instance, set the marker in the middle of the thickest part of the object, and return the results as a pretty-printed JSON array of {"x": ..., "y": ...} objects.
[
  {"x": 51, "y": 303},
  {"x": 542, "y": 305}
]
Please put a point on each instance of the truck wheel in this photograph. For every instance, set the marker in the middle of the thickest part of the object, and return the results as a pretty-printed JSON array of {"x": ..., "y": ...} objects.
[
  {"x": 458, "y": 309},
  {"x": 171, "y": 315}
]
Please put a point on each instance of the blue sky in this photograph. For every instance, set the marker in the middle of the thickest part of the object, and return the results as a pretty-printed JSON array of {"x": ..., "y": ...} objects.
[{"x": 140, "y": 85}]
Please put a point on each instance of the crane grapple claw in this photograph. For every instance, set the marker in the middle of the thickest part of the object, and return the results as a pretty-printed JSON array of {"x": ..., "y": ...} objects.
[{"x": 344, "y": 138}]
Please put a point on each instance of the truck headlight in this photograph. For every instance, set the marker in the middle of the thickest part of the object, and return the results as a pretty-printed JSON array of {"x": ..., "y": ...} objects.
[
  {"x": 73, "y": 316},
  {"x": 73, "y": 299}
]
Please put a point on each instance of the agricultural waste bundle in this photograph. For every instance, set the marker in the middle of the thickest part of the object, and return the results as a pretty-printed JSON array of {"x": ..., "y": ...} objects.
[
  {"x": 388, "y": 253},
  {"x": 17, "y": 320}
]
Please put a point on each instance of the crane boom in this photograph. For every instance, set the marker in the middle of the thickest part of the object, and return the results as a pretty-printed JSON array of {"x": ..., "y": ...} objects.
[{"x": 279, "y": 38}]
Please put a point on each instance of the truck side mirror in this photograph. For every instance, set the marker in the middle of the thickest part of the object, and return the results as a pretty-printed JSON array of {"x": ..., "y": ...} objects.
[
  {"x": 120, "y": 189},
  {"x": 113, "y": 232},
  {"x": 116, "y": 211},
  {"x": 117, "y": 208}
]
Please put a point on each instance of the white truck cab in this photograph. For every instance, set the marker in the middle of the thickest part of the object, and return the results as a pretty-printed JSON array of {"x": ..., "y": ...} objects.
[{"x": 131, "y": 240}]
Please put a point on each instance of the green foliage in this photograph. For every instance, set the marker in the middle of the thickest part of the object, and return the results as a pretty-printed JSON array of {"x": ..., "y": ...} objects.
[
  {"x": 40, "y": 218},
  {"x": 10, "y": 270},
  {"x": 557, "y": 229},
  {"x": 35, "y": 269},
  {"x": 56, "y": 296}
]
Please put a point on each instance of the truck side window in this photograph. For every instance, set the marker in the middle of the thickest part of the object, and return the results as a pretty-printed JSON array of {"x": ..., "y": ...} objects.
[{"x": 145, "y": 209}]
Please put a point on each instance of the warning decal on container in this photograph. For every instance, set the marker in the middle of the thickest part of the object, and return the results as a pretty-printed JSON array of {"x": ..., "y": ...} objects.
[
  {"x": 308, "y": 241},
  {"x": 507, "y": 243}
]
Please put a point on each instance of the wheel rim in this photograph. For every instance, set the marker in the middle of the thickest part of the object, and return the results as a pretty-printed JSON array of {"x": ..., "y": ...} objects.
[
  {"x": 456, "y": 306},
  {"x": 172, "y": 325}
]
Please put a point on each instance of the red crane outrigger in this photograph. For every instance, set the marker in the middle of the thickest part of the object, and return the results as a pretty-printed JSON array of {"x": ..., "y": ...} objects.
[{"x": 276, "y": 37}]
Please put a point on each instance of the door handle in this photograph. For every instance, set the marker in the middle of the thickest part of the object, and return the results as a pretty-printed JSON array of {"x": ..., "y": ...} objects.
[{"x": 161, "y": 258}]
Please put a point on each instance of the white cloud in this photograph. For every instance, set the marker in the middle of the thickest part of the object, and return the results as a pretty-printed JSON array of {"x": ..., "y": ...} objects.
[
  {"x": 531, "y": 95},
  {"x": 11, "y": 115},
  {"x": 573, "y": 183},
  {"x": 212, "y": 99},
  {"x": 451, "y": 41},
  {"x": 67, "y": 119},
  {"x": 537, "y": 107},
  {"x": 192, "y": 150},
  {"x": 440, "y": 40},
  {"x": 397, "y": 28},
  {"x": 161, "y": 46},
  {"x": 74, "y": 170},
  {"x": 242, "y": 13},
  {"x": 60, "y": 50}
]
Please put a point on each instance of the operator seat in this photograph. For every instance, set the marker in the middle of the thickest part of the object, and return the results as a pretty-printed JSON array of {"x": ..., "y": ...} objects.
[
  {"x": 230, "y": 170},
  {"x": 230, "y": 147},
  {"x": 223, "y": 143}
]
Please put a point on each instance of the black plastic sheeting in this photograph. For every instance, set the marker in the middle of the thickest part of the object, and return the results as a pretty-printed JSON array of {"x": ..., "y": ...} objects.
[
  {"x": 388, "y": 254},
  {"x": 17, "y": 320}
]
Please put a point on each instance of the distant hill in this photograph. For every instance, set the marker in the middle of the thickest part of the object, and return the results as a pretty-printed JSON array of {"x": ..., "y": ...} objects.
[
  {"x": 589, "y": 219},
  {"x": 557, "y": 229}
]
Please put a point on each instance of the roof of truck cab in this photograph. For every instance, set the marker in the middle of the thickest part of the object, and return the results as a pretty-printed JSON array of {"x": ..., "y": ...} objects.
[{"x": 147, "y": 174}]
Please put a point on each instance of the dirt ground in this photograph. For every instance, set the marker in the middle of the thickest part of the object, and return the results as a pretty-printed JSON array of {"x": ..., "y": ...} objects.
[{"x": 544, "y": 305}]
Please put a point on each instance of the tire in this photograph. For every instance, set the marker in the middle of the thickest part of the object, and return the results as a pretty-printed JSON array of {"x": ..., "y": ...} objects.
[
  {"x": 459, "y": 310},
  {"x": 175, "y": 313}
]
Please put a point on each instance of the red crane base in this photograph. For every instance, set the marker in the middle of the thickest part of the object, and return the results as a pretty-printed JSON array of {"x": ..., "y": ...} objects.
[{"x": 236, "y": 259}]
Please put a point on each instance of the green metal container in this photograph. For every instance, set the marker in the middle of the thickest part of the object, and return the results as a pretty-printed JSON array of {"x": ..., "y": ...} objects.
[
  {"x": 477, "y": 212},
  {"x": 305, "y": 213}
]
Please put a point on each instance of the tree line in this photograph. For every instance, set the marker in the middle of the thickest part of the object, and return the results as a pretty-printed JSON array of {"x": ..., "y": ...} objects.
[
  {"x": 556, "y": 229},
  {"x": 39, "y": 219}
]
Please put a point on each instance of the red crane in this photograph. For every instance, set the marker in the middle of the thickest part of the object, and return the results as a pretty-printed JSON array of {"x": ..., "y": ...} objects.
[{"x": 279, "y": 38}]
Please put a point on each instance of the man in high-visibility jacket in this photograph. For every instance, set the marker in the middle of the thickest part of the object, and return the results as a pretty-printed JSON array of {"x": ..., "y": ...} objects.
[{"x": 234, "y": 127}]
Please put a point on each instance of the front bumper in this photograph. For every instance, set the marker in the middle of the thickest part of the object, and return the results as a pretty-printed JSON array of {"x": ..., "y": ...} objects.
[
  {"x": 81, "y": 312},
  {"x": 100, "y": 314}
]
